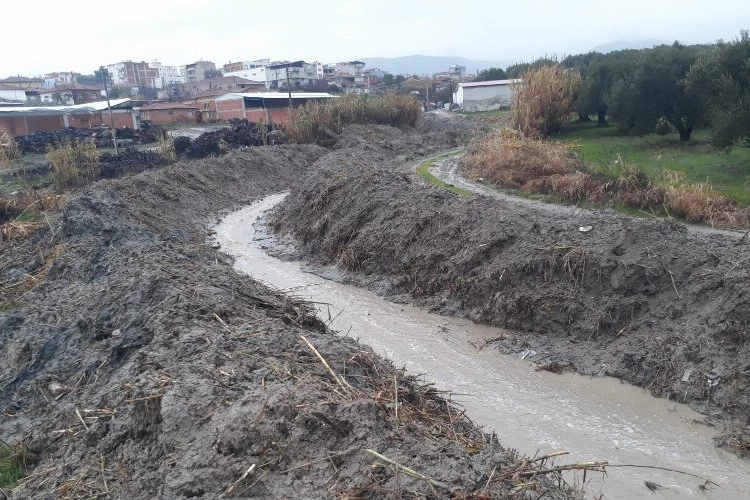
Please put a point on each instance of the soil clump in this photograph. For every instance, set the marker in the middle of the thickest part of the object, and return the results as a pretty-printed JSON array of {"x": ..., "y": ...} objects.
[
  {"x": 641, "y": 300},
  {"x": 135, "y": 362}
]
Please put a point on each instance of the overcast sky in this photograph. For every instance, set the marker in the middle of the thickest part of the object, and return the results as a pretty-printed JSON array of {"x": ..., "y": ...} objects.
[{"x": 83, "y": 35}]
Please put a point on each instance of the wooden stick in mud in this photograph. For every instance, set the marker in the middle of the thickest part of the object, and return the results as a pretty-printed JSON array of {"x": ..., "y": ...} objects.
[
  {"x": 337, "y": 378},
  {"x": 407, "y": 470},
  {"x": 242, "y": 477}
]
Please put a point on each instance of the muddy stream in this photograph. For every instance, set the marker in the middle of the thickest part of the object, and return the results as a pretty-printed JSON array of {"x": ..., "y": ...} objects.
[{"x": 532, "y": 411}]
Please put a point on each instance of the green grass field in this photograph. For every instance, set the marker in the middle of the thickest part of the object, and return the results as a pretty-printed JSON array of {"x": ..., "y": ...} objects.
[{"x": 727, "y": 171}]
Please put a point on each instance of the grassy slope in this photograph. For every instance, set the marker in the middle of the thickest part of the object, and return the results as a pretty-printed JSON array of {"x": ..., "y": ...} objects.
[
  {"x": 727, "y": 171},
  {"x": 424, "y": 172}
]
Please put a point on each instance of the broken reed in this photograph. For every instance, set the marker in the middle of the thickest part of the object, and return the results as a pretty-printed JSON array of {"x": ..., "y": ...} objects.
[
  {"x": 508, "y": 159},
  {"x": 320, "y": 122},
  {"x": 166, "y": 148},
  {"x": 74, "y": 164}
]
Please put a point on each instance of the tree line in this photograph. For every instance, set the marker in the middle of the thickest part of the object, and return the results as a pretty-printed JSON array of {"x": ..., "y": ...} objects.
[{"x": 680, "y": 87}]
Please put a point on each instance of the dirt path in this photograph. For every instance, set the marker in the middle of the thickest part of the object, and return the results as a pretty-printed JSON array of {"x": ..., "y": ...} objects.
[{"x": 447, "y": 170}]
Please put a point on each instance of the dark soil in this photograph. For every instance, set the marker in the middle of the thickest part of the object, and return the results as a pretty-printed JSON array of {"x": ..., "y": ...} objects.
[
  {"x": 41, "y": 142},
  {"x": 139, "y": 364},
  {"x": 641, "y": 300},
  {"x": 129, "y": 161},
  {"x": 240, "y": 133}
]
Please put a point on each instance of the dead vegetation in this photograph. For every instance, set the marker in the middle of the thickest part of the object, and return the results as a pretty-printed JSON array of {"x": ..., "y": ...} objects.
[
  {"x": 544, "y": 99},
  {"x": 508, "y": 159},
  {"x": 8, "y": 148},
  {"x": 74, "y": 164},
  {"x": 321, "y": 122}
]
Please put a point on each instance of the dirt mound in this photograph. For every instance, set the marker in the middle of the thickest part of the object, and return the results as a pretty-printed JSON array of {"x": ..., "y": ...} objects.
[
  {"x": 241, "y": 133},
  {"x": 141, "y": 365},
  {"x": 130, "y": 161},
  {"x": 41, "y": 142},
  {"x": 641, "y": 300}
]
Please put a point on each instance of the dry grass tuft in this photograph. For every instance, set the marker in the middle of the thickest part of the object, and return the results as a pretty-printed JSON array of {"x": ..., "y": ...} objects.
[
  {"x": 320, "y": 122},
  {"x": 507, "y": 159},
  {"x": 544, "y": 100},
  {"x": 74, "y": 164},
  {"x": 8, "y": 148},
  {"x": 167, "y": 149}
]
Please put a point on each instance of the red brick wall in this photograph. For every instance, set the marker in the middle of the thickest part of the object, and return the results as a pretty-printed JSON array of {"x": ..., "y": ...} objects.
[
  {"x": 169, "y": 116},
  {"x": 122, "y": 119},
  {"x": 24, "y": 125},
  {"x": 28, "y": 124},
  {"x": 226, "y": 110},
  {"x": 278, "y": 116}
]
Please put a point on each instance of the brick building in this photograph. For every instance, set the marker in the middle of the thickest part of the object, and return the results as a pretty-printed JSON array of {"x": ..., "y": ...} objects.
[
  {"x": 168, "y": 113},
  {"x": 133, "y": 74},
  {"x": 24, "y": 120}
]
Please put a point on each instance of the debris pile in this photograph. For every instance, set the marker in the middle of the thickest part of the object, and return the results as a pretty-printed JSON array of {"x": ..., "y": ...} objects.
[{"x": 240, "y": 133}]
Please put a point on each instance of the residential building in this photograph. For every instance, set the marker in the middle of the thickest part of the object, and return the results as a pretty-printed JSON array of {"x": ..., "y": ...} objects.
[
  {"x": 69, "y": 94},
  {"x": 11, "y": 93},
  {"x": 234, "y": 67},
  {"x": 60, "y": 78},
  {"x": 133, "y": 74},
  {"x": 296, "y": 74},
  {"x": 457, "y": 71},
  {"x": 257, "y": 75},
  {"x": 197, "y": 71},
  {"x": 271, "y": 107},
  {"x": 168, "y": 113},
  {"x": 24, "y": 82},
  {"x": 166, "y": 75},
  {"x": 223, "y": 83},
  {"x": 484, "y": 96},
  {"x": 349, "y": 68}
]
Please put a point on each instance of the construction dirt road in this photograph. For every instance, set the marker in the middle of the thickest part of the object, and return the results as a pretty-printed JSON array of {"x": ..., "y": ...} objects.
[{"x": 140, "y": 364}]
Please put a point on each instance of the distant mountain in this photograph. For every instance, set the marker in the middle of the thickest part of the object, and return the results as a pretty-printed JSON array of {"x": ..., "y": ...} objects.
[
  {"x": 641, "y": 43},
  {"x": 427, "y": 65}
]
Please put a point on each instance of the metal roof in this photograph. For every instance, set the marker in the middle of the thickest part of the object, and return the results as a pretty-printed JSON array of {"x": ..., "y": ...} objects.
[
  {"x": 91, "y": 106},
  {"x": 490, "y": 83},
  {"x": 274, "y": 95}
]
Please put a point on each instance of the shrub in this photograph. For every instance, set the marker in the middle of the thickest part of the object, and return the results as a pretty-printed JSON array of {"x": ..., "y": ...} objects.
[
  {"x": 320, "y": 122},
  {"x": 544, "y": 100},
  {"x": 74, "y": 164}
]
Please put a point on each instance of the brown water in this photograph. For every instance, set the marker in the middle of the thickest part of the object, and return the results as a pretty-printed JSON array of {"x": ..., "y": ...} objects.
[{"x": 593, "y": 418}]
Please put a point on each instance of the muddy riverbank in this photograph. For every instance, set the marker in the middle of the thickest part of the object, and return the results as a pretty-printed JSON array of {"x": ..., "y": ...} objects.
[
  {"x": 594, "y": 418},
  {"x": 139, "y": 364},
  {"x": 604, "y": 294}
]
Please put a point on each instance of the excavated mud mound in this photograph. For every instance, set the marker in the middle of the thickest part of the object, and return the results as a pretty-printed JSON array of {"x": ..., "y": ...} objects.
[
  {"x": 141, "y": 365},
  {"x": 645, "y": 301}
]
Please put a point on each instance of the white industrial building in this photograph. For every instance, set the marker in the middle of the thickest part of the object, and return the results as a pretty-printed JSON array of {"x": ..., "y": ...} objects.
[{"x": 484, "y": 96}]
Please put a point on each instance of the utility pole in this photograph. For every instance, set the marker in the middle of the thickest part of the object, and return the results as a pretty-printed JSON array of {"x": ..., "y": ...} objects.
[
  {"x": 105, "y": 76},
  {"x": 289, "y": 88}
]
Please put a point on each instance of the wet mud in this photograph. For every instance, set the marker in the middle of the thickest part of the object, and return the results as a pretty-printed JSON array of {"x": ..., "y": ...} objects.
[
  {"x": 646, "y": 301},
  {"x": 139, "y": 364}
]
